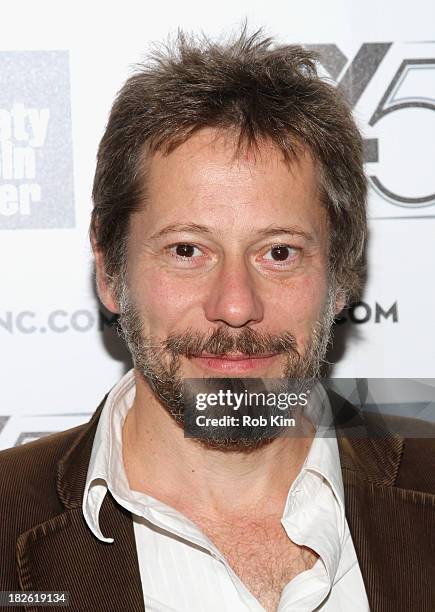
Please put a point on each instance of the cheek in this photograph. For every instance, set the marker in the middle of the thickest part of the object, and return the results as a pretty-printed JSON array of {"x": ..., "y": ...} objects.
[
  {"x": 298, "y": 307},
  {"x": 162, "y": 301}
]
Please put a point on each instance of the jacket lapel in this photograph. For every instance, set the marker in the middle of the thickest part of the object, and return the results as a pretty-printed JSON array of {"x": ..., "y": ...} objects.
[
  {"x": 62, "y": 553},
  {"x": 391, "y": 527}
]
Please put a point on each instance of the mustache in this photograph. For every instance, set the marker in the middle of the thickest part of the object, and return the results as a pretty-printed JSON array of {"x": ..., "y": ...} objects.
[{"x": 221, "y": 342}]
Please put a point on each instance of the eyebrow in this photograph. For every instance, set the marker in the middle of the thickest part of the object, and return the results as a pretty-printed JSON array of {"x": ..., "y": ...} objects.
[
  {"x": 196, "y": 228},
  {"x": 182, "y": 227}
]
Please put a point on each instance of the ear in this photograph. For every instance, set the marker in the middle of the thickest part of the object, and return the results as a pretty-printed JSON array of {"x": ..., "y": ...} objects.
[
  {"x": 340, "y": 301},
  {"x": 103, "y": 280}
]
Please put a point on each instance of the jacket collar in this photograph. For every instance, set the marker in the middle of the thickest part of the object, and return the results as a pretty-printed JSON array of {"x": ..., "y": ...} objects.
[{"x": 73, "y": 466}]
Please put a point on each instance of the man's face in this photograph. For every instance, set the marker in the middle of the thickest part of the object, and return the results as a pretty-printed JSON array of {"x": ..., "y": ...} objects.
[{"x": 226, "y": 274}]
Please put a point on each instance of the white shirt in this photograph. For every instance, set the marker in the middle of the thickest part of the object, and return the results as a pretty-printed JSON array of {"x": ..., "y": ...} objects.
[{"x": 182, "y": 570}]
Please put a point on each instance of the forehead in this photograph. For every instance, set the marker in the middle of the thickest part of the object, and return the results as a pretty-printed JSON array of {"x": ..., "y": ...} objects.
[{"x": 209, "y": 178}]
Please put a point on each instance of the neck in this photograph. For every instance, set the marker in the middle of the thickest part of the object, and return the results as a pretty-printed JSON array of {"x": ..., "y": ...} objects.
[{"x": 161, "y": 462}]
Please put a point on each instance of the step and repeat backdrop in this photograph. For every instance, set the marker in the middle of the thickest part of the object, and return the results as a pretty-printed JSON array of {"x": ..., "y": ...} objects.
[{"x": 60, "y": 67}]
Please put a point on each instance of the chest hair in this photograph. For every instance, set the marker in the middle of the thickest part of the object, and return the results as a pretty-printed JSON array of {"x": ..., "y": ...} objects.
[{"x": 261, "y": 554}]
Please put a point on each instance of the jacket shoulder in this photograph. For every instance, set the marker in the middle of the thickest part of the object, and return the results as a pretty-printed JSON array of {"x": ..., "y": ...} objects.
[
  {"x": 29, "y": 472},
  {"x": 401, "y": 445}
]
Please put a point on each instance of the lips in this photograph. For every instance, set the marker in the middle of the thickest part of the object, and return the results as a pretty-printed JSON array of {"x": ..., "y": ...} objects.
[{"x": 233, "y": 362}]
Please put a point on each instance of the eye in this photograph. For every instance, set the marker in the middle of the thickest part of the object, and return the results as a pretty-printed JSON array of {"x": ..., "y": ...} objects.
[
  {"x": 280, "y": 253},
  {"x": 185, "y": 250}
]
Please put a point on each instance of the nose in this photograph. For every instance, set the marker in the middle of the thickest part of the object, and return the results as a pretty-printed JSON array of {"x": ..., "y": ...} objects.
[{"x": 233, "y": 299}]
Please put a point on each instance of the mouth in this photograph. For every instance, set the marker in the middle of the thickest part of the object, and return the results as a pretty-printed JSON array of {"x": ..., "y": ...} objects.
[{"x": 234, "y": 362}]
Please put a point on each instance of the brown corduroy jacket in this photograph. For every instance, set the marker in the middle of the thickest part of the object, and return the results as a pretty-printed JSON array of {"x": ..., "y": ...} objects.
[{"x": 45, "y": 544}]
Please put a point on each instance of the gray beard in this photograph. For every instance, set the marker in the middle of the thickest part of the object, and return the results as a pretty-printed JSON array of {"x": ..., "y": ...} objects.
[{"x": 159, "y": 364}]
